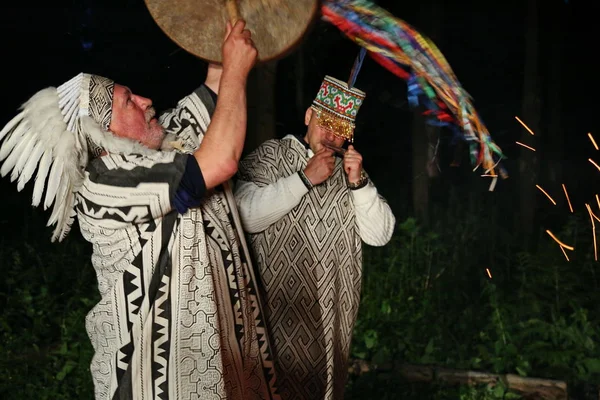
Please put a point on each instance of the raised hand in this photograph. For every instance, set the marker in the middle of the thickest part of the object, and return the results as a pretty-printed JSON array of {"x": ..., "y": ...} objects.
[
  {"x": 353, "y": 164},
  {"x": 239, "y": 52},
  {"x": 320, "y": 166}
]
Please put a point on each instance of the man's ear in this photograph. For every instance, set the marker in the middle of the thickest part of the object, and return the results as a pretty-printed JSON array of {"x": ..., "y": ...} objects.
[{"x": 308, "y": 115}]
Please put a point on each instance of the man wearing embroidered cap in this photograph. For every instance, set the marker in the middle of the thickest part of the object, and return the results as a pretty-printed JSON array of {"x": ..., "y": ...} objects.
[
  {"x": 179, "y": 314},
  {"x": 307, "y": 212}
]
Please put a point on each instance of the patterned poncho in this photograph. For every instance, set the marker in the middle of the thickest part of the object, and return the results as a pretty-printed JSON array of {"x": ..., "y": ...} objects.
[
  {"x": 310, "y": 269},
  {"x": 179, "y": 315}
]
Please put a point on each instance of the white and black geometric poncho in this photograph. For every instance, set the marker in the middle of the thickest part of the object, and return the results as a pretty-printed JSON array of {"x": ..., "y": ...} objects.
[{"x": 179, "y": 316}]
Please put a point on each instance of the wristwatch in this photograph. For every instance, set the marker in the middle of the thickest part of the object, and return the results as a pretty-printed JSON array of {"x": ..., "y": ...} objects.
[{"x": 362, "y": 182}]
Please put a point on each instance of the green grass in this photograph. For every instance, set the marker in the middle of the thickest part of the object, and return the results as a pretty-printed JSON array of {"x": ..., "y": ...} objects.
[{"x": 426, "y": 299}]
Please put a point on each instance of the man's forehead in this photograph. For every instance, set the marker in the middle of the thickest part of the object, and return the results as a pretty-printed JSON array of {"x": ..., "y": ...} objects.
[{"x": 122, "y": 90}]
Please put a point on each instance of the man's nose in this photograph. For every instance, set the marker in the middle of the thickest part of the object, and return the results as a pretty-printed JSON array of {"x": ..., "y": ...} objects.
[{"x": 143, "y": 102}]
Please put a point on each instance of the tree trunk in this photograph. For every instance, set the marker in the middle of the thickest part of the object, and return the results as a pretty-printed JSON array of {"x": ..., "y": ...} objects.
[
  {"x": 554, "y": 95},
  {"x": 261, "y": 105},
  {"x": 529, "y": 160},
  {"x": 530, "y": 388},
  {"x": 423, "y": 164},
  {"x": 301, "y": 102},
  {"x": 424, "y": 136}
]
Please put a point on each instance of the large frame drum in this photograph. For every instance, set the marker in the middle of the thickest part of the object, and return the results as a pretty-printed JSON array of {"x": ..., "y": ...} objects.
[{"x": 198, "y": 26}]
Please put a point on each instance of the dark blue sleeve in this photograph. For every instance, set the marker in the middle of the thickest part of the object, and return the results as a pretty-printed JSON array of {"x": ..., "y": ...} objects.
[
  {"x": 213, "y": 95},
  {"x": 191, "y": 188}
]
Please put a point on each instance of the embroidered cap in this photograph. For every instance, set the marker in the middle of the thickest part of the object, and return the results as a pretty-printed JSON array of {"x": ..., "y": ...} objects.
[{"x": 336, "y": 106}]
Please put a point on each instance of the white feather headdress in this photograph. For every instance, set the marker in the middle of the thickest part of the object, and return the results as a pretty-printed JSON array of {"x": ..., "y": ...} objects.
[{"x": 56, "y": 132}]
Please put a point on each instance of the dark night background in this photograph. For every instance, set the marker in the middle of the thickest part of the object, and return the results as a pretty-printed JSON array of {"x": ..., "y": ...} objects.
[{"x": 46, "y": 43}]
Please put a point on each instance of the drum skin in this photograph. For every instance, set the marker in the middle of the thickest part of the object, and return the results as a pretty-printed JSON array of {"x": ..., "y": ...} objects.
[{"x": 198, "y": 26}]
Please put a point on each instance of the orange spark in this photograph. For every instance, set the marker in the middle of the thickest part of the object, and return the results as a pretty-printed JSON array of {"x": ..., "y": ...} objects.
[
  {"x": 595, "y": 165},
  {"x": 565, "y": 253},
  {"x": 594, "y": 215},
  {"x": 558, "y": 241},
  {"x": 525, "y": 126},
  {"x": 593, "y": 230},
  {"x": 593, "y": 141},
  {"x": 489, "y": 273},
  {"x": 547, "y": 195},
  {"x": 598, "y": 201},
  {"x": 524, "y": 145},
  {"x": 567, "y": 195}
]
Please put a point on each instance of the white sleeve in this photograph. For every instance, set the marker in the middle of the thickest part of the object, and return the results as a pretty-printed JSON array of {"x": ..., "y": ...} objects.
[
  {"x": 374, "y": 216},
  {"x": 259, "y": 207}
]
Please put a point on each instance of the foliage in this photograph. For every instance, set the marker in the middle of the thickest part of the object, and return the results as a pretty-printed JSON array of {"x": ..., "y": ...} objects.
[
  {"x": 428, "y": 299},
  {"x": 45, "y": 294}
]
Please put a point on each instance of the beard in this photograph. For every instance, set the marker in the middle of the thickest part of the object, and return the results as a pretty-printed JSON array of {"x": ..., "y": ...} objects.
[
  {"x": 156, "y": 132},
  {"x": 150, "y": 113}
]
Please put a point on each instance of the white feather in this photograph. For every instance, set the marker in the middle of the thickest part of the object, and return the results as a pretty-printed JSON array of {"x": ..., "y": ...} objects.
[
  {"x": 44, "y": 136},
  {"x": 12, "y": 140},
  {"x": 45, "y": 117},
  {"x": 49, "y": 123},
  {"x": 67, "y": 84},
  {"x": 81, "y": 145},
  {"x": 65, "y": 171},
  {"x": 12, "y": 158},
  {"x": 68, "y": 221},
  {"x": 29, "y": 144},
  {"x": 61, "y": 202},
  {"x": 43, "y": 99},
  {"x": 54, "y": 180},
  {"x": 38, "y": 138},
  {"x": 43, "y": 107},
  {"x": 40, "y": 115},
  {"x": 66, "y": 216},
  {"x": 70, "y": 85},
  {"x": 51, "y": 140},
  {"x": 67, "y": 96},
  {"x": 68, "y": 100},
  {"x": 40, "y": 179},
  {"x": 31, "y": 165},
  {"x": 11, "y": 124},
  {"x": 70, "y": 115}
]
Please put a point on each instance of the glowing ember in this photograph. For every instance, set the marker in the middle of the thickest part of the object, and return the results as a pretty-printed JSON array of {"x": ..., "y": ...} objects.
[
  {"x": 593, "y": 141},
  {"x": 524, "y": 145},
  {"x": 567, "y": 195},
  {"x": 525, "y": 126},
  {"x": 547, "y": 195},
  {"x": 558, "y": 241}
]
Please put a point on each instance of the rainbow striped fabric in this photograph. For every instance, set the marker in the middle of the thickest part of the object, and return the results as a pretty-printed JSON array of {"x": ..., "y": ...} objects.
[{"x": 402, "y": 50}]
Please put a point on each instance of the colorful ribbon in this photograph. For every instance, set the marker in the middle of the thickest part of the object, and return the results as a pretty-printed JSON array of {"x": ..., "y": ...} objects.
[{"x": 406, "y": 53}]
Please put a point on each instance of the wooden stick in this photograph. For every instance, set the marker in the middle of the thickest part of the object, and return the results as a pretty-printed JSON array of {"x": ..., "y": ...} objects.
[
  {"x": 339, "y": 150},
  {"x": 542, "y": 388},
  {"x": 233, "y": 10}
]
